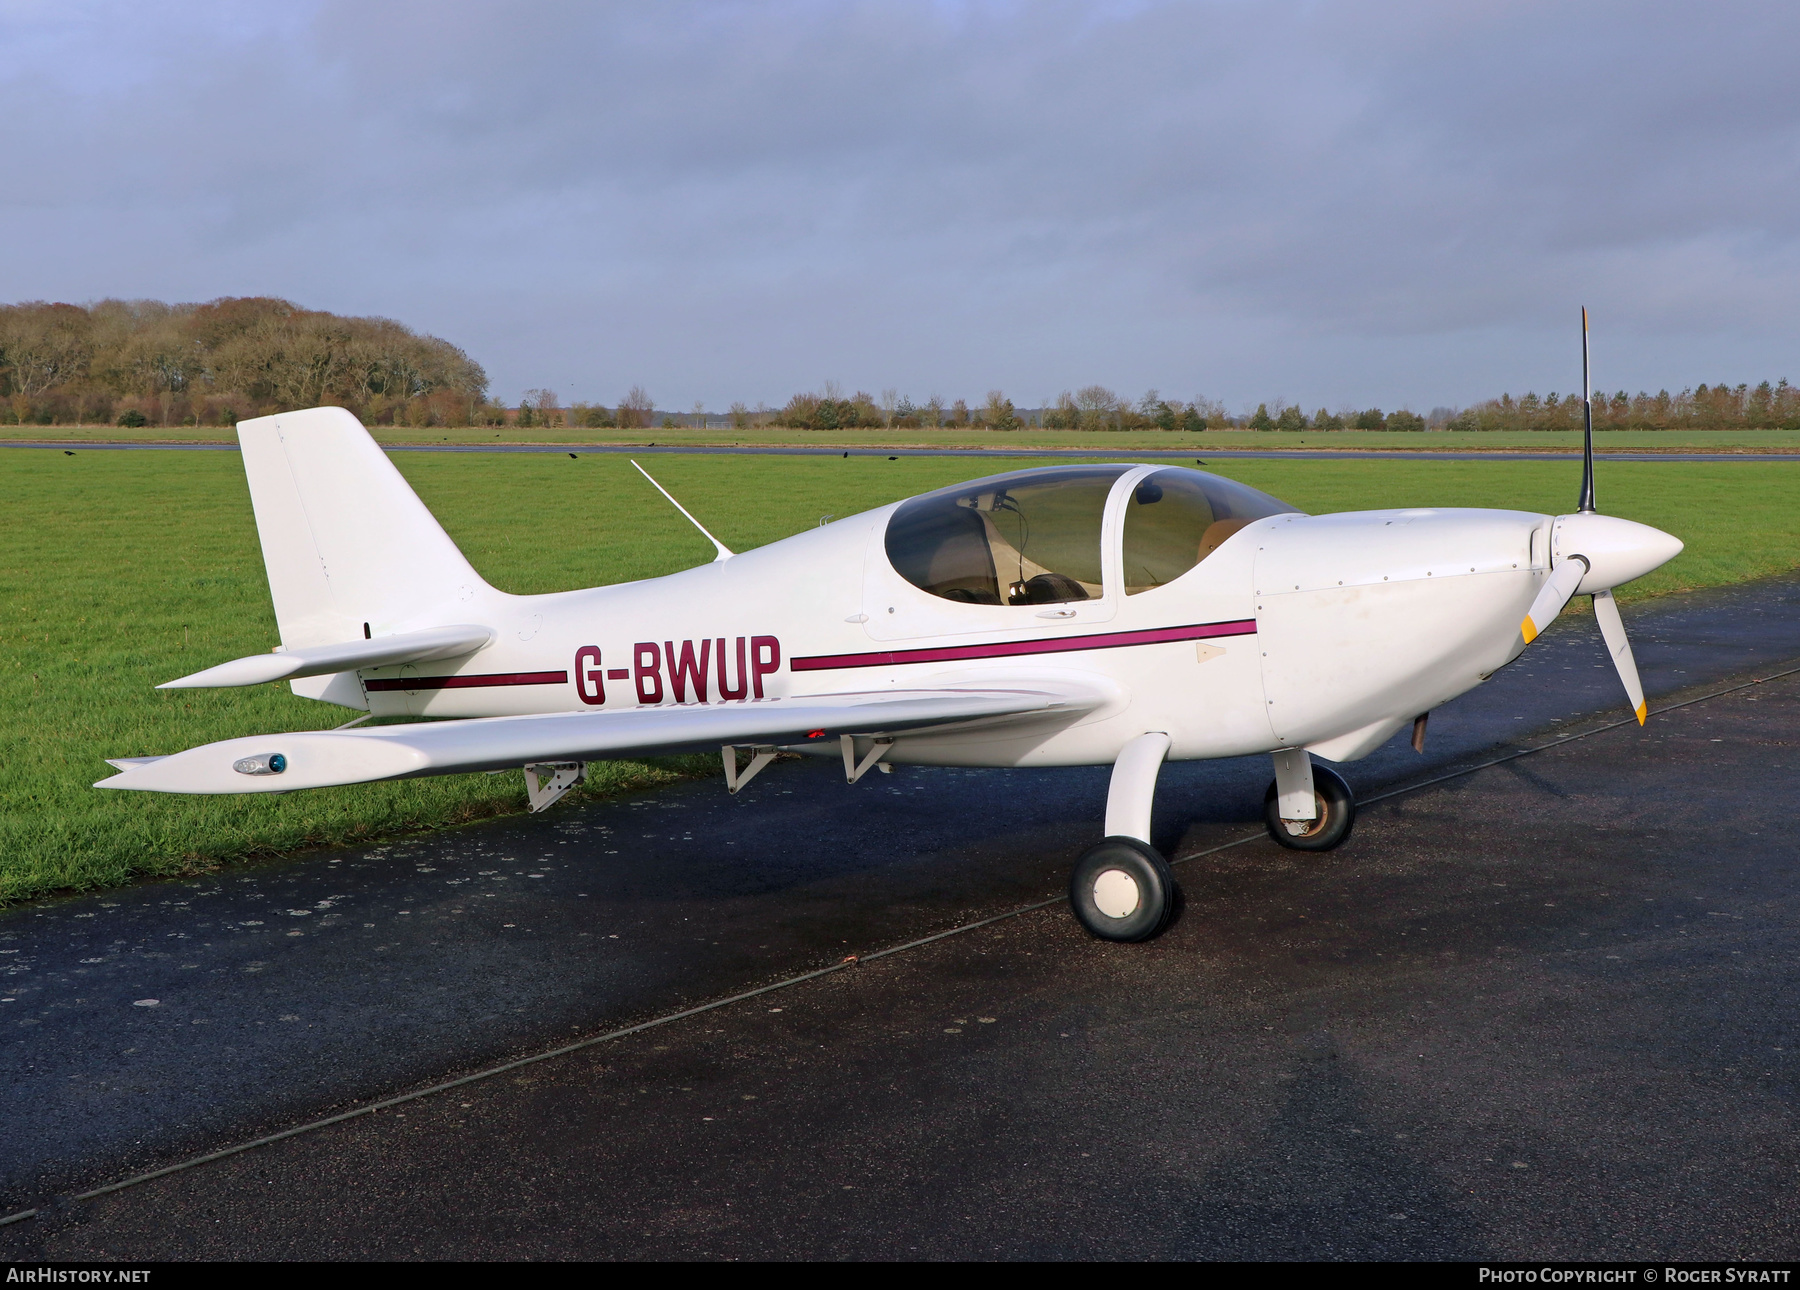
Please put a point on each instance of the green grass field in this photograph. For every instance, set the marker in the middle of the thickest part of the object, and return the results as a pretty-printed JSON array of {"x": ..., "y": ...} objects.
[
  {"x": 119, "y": 570},
  {"x": 1671, "y": 441}
]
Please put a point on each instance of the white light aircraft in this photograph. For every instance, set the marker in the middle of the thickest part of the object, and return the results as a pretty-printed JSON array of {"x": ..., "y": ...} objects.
[{"x": 1073, "y": 615}]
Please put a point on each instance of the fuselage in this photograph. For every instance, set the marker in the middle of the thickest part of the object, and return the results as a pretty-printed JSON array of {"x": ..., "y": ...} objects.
[{"x": 1326, "y": 632}]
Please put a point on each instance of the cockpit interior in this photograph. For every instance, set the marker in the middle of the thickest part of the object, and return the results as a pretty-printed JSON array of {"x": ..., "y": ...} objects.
[{"x": 1034, "y": 537}]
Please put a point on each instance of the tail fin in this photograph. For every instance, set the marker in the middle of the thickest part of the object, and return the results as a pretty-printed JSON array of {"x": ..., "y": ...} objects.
[{"x": 345, "y": 540}]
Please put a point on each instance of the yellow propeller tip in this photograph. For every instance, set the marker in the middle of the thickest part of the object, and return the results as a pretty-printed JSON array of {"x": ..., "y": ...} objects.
[
  {"x": 1528, "y": 629},
  {"x": 1643, "y": 711}
]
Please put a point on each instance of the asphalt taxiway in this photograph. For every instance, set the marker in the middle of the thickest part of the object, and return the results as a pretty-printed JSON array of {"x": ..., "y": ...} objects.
[{"x": 1544, "y": 1009}]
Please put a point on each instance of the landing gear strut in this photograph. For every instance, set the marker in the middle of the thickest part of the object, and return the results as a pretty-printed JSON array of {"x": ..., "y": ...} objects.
[
  {"x": 1122, "y": 890},
  {"x": 1307, "y": 808}
]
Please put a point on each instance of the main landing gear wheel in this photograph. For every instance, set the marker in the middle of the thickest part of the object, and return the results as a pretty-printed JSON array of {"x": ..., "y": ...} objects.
[
  {"x": 1122, "y": 890},
  {"x": 1336, "y": 813}
]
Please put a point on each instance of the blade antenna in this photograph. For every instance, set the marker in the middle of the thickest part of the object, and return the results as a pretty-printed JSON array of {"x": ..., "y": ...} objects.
[
  {"x": 1586, "y": 505},
  {"x": 725, "y": 552}
]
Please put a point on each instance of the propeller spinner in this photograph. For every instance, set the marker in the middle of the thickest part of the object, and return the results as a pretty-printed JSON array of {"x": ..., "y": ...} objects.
[{"x": 1594, "y": 553}]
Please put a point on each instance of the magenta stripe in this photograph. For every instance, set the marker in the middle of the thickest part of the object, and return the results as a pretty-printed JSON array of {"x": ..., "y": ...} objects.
[
  {"x": 1006, "y": 649},
  {"x": 478, "y": 682}
]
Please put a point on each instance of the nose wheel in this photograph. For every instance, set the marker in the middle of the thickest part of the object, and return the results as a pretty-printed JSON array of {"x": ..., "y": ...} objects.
[
  {"x": 1122, "y": 890},
  {"x": 1336, "y": 812}
]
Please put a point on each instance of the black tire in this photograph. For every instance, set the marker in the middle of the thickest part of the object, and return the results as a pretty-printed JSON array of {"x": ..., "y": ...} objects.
[
  {"x": 1111, "y": 874},
  {"x": 1337, "y": 812}
]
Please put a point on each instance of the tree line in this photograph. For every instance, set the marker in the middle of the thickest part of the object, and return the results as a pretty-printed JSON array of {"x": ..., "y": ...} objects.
[
  {"x": 1704, "y": 407},
  {"x": 1096, "y": 408},
  {"x": 142, "y": 362}
]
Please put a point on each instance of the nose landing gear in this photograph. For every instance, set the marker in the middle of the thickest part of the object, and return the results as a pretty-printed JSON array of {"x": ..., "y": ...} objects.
[{"x": 1333, "y": 805}]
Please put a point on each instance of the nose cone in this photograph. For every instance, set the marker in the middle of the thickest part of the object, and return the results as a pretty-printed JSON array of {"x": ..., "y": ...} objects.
[{"x": 1616, "y": 550}]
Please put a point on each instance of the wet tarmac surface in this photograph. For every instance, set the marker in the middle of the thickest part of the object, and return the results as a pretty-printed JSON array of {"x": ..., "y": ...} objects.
[{"x": 1545, "y": 1009}]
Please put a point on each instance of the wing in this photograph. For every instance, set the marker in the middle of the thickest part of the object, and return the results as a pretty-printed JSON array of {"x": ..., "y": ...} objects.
[{"x": 315, "y": 759}]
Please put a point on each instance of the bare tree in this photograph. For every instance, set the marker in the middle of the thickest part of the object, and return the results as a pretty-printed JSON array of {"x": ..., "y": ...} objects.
[
  {"x": 315, "y": 354},
  {"x": 44, "y": 345},
  {"x": 1097, "y": 405},
  {"x": 636, "y": 409},
  {"x": 544, "y": 403},
  {"x": 1211, "y": 410}
]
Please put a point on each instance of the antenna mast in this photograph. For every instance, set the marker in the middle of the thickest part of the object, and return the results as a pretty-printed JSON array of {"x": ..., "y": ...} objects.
[
  {"x": 725, "y": 552},
  {"x": 1586, "y": 504}
]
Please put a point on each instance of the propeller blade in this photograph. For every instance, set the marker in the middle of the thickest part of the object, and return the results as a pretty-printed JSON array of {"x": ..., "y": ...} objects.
[
  {"x": 1555, "y": 594},
  {"x": 1612, "y": 627}
]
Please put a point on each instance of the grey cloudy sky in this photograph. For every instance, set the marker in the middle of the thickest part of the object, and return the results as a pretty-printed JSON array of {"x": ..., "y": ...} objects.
[{"x": 1334, "y": 203}]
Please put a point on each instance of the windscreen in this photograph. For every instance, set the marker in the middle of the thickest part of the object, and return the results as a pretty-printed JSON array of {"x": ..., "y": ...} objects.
[
  {"x": 1028, "y": 538},
  {"x": 1178, "y": 517}
]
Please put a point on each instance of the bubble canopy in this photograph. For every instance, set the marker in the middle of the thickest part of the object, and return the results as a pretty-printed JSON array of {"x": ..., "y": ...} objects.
[
  {"x": 1177, "y": 517},
  {"x": 1034, "y": 537}
]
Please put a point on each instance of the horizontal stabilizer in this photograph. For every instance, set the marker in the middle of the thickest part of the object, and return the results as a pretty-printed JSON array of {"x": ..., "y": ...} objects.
[
  {"x": 314, "y": 759},
  {"x": 321, "y": 660}
]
